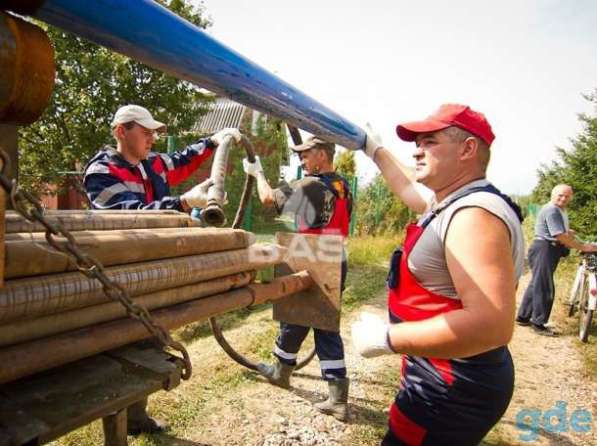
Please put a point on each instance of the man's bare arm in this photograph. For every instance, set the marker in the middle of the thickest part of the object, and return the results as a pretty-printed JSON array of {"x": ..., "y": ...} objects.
[
  {"x": 570, "y": 241},
  {"x": 480, "y": 263},
  {"x": 400, "y": 179}
]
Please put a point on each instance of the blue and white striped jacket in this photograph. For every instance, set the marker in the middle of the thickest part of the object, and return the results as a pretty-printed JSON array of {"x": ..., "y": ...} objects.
[{"x": 112, "y": 182}]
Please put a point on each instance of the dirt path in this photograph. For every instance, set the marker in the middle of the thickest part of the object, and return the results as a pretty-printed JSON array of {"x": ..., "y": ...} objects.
[{"x": 229, "y": 406}]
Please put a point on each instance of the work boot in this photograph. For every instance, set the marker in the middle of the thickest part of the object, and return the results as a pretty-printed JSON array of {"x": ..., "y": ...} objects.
[
  {"x": 337, "y": 402},
  {"x": 138, "y": 421},
  {"x": 277, "y": 373}
]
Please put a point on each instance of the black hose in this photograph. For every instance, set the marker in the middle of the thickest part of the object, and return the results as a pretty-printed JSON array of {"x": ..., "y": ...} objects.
[{"x": 238, "y": 219}]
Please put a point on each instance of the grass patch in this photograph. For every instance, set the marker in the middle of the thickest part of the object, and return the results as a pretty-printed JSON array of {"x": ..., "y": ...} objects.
[
  {"x": 370, "y": 250},
  {"x": 368, "y": 260},
  {"x": 362, "y": 284},
  {"x": 199, "y": 330}
]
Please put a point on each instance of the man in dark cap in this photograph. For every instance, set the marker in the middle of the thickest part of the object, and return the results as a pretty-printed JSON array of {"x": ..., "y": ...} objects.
[
  {"x": 451, "y": 288},
  {"x": 321, "y": 203}
]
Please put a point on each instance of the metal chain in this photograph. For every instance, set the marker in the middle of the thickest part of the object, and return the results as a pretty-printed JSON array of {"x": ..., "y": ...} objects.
[{"x": 31, "y": 209}]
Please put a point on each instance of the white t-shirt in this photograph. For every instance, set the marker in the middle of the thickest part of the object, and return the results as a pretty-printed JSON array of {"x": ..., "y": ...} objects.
[{"x": 427, "y": 261}]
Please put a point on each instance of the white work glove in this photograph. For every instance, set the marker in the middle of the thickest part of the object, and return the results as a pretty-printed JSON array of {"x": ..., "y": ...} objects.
[
  {"x": 372, "y": 143},
  {"x": 197, "y": 196},
  {"x": 218, "y": 138},
  {"x": 252, "y": 169},
  {"x": 370, "y": 336}
]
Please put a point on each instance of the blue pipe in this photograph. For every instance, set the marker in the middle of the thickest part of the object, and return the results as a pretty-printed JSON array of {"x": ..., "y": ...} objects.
[{"x": 146, "y": 31}]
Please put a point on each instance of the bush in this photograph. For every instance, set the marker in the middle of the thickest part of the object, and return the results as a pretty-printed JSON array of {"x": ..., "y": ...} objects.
[{"x": 378, "y": 211}]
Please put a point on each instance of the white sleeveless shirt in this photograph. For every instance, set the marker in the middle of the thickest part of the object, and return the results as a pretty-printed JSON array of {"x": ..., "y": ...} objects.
[{"x": 427, "y": 261}]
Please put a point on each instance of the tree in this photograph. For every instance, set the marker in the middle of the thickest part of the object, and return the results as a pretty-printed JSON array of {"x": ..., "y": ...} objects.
[
  {"x": 91, "y": 83},
  {"x": 578, "y": 168},
  {"x": 345, "y": 164},
  {"x": 379, "y": 211}
]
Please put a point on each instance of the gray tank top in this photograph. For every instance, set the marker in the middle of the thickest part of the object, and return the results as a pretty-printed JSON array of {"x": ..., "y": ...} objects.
[{"x": 427, "y": 261}]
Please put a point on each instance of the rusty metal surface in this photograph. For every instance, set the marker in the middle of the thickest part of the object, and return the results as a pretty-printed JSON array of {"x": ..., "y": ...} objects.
[
  {"x": 41, "y": 295},
  {"x": 28, "y": 70},
  {"x": 25, "y": 358},
  {"x": 102, "y": 220},
  {"x": 26, "y": 330},
  {"x": 321, "y": 256},
  {"x": 29, "y": 254},
  {"x": 8, "y": 142}
]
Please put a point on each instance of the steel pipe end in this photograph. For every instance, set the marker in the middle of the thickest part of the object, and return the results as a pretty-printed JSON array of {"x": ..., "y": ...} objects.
[
  {"x": 213, "y": 215},
  {"x": 28, "y": 70}
]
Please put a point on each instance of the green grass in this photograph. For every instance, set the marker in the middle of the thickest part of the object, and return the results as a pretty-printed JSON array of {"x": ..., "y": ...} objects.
[
  {"x": 368, "y": 260},
  {"x": 370, "y": 250}
]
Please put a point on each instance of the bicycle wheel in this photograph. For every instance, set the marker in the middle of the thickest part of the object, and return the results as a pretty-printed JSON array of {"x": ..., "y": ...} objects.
[
  {"x": 575, "y": 292},
  {"x": 585, "y": 314}
]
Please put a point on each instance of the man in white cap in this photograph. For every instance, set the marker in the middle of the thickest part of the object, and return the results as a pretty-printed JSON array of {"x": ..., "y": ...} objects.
[{"x": 131, "y": 176}]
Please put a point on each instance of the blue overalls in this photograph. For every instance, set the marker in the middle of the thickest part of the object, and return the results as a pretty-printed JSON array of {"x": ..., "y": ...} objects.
[{"x": 451, "y": 402}]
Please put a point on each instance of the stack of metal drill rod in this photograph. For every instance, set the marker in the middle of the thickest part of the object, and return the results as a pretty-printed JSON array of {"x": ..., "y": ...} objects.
[{"x": 51, "y": 314}]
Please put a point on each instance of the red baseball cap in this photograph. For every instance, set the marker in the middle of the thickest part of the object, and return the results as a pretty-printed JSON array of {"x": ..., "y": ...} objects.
[{"x": 449, "y": 115}]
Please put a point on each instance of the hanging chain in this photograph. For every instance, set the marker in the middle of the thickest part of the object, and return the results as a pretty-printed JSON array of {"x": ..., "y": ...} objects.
[{"x": 31, "y": 209}]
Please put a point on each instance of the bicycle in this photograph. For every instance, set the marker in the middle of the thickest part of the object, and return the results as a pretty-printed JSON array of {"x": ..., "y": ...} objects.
[{"x": 583, "y": 295}]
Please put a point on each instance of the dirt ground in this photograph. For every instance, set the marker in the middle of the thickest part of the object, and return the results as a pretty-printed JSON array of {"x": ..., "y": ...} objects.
[{"x": 236, "y": 407}]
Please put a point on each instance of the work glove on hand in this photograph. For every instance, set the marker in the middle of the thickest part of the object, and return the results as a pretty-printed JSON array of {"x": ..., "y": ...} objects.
[
  {"x": 252, "y": 169},
  {"x": 372, "y": 142},
  {"x": 370, "y": 336},
  {"x": 218, "y": 138},
  {"x": 197, "y": 196}
]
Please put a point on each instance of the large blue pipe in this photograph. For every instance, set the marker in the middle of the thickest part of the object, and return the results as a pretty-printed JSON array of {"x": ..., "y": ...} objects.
[{"x": 146, "y": 31}]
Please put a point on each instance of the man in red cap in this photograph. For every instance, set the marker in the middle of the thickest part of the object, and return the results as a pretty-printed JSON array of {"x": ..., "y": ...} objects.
[{"x": 451, "y": 287}]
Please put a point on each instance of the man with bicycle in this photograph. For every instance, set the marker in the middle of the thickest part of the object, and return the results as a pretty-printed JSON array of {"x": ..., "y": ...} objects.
[{"x": 553, "y": 240}]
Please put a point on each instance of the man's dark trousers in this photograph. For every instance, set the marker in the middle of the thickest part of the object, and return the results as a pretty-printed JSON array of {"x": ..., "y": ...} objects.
[{"x": 538, "y": 298}]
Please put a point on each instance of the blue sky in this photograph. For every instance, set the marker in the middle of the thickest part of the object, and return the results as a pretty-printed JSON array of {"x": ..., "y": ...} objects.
[{"x": 525, "y": 64}]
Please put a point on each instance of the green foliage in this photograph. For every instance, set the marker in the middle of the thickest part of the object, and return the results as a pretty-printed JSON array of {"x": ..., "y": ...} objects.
[
  {"x": 578, "y": 168},
  {"x": 91, "y": 83},
  {"x": 271, "y": 145},
  {"x": 345, "y": 164},
  {"x": 378, "y": 211}
]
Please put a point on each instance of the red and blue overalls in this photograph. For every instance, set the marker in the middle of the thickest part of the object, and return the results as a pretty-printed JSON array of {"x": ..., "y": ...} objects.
[
  {"x": 328, "y": 344},
  {"x": 451, "y": 402}
]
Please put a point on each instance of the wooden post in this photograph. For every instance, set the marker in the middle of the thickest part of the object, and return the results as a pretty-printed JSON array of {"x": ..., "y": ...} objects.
[{"x": 115, "y": 429}]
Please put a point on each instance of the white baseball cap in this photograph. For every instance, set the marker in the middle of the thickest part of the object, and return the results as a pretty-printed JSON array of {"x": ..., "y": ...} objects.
[{"x": 138, "y": 114}]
